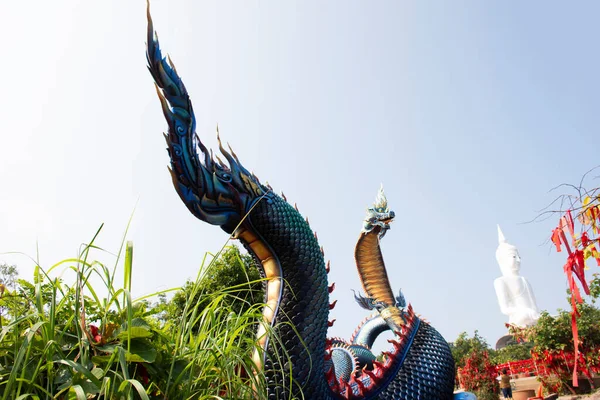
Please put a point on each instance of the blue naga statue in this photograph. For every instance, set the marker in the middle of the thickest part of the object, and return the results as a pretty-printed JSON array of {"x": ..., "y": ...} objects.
[{"x": 419, "y": 364}]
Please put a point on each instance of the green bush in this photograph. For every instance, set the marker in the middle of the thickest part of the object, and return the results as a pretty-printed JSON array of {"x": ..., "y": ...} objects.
[{"x": 73, "y": 340}]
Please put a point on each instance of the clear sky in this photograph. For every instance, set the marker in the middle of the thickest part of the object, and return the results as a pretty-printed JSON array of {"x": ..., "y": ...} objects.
[{"x": 468, "y": 112}]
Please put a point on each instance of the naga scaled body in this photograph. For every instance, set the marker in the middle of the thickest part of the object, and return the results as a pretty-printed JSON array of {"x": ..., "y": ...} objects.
[{"x": 297, "y": 357}]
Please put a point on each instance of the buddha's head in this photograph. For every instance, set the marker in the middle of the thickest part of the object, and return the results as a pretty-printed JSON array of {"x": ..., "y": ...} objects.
[{"x": 507, "y": 256}]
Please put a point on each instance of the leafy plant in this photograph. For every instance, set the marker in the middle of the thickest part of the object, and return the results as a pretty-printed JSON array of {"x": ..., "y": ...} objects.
[
  {"x": 512, "y": 352},
  {"x": 464, "y": 346},
  {"x": 74, "y": 340},
  {"x": 478, "y": 375}
]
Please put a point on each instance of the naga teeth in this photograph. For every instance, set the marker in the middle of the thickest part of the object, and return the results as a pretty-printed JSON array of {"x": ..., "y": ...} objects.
[{"x": 331, "y": 287}]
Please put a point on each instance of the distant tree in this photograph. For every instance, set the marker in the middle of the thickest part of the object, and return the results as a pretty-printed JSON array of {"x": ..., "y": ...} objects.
[
  {"x": 472, "y": 356},
  {"x": 8, "y": 278},
  {"x": 464, "y": 346},
  {"x": 555, "y": 332},
  {"x": 232, "y": 273},
  {"x": 578, "y": 235},
  {"x": 512, "y": 352}
]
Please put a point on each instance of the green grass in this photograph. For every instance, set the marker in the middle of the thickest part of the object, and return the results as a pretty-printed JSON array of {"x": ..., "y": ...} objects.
[{"x": 50, "y": 349}]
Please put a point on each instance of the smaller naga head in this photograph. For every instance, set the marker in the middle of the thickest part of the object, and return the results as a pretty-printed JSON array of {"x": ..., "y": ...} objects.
[{"x": 379, "y": 215}]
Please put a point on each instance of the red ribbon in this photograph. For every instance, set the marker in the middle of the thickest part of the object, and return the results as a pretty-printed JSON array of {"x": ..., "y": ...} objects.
[
  {"x": 575, "y": 265},
  {"x": 556, "y": 239},
  {"x": 570, "y": 225},
  {"x": 576, "y": 346},
  {"x": 585, "y": 240}
]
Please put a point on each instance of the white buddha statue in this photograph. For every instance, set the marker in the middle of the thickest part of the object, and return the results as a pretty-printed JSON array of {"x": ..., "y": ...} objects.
[{"x": 514, "y": 293}]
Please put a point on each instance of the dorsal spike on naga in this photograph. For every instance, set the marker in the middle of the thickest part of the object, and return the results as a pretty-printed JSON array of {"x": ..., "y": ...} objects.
[
  {"x": 335, "y": 383},
  {"x": 397, "y": 345},
  {"x": 328, "y": 266},
  {"x": 349, "y": 394},
  {"x": 330, "y": 323},
  {"x": 307, "y": 222},
  {"x": 233, "y": 153},
  {"x": 283, "y": 196},
  {"x": 220, "y": 161},
  {"x": 361, "y": 387},
  {"x": 331, "y": 287},
  {"x": 332, "y": 304},
  {"x": 296, "y": 207},
  {"x": 171, "y": 63},
  {"x": 322, "y": 251},
  {"x": 330, "y": 373},
  {"x": 231, "y": 197},
  {"x": 379, "y": 364},
  {"x": 340, "y": 383},
  {"x": 374, "y": 378}
]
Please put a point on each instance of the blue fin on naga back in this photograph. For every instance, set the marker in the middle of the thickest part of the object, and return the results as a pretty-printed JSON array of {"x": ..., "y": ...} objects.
[
  {"x": 365, "y": 302},
  {"x": 400, "y": 300}
]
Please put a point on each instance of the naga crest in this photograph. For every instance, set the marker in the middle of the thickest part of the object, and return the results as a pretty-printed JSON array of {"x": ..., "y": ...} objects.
[
  {"x": 215, "y": 192},
  {"x": 379, "y": 215},
  {"x": 369, "y": 303}
]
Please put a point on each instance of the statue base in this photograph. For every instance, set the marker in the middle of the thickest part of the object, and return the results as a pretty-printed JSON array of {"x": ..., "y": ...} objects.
[{"x": 505, "y": 341}]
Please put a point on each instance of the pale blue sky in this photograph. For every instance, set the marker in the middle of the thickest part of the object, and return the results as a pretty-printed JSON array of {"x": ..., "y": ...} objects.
[{"x": 468, "y": 112}]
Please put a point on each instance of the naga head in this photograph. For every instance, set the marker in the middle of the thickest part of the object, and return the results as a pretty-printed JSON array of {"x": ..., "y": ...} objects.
[
  {"x": 379, "y": 215},
  {"x": 215, "y": 192}
]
